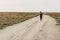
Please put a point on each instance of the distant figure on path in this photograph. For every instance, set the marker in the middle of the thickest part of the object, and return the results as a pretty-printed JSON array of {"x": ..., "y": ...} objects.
[{"x": 41, "y": 15}]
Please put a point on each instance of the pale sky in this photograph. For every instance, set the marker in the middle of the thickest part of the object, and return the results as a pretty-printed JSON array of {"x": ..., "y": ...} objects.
[{"x": 30, "y": 5}]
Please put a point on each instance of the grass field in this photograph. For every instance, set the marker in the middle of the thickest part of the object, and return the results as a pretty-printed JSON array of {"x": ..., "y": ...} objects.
[
  {"x": 10, "y": 18},
  {"x": 55, "y": 15}
]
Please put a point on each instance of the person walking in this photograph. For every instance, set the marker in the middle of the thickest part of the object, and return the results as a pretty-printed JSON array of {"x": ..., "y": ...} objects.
[{"x": 41, "y": 15}]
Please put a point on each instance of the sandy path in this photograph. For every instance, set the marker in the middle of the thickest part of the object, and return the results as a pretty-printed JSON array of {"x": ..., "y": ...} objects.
[{"x": 32, "y": 29}]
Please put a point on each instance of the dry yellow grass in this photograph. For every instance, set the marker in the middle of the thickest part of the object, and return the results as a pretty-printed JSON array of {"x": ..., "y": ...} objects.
[
  {"x": 10, "y": 18},
  {"x": 55, "y": 15}
]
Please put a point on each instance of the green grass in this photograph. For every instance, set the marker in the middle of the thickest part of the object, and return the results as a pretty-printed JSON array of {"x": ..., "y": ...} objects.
[{"x": 10, "y": 18}]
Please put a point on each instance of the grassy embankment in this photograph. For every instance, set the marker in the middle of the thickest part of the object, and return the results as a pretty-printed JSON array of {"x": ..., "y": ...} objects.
[
  {"x": 10, "y": 18},
  {"x": 55, "y": 15}
]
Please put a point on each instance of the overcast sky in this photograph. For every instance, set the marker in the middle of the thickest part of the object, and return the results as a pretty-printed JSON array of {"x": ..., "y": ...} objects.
[{"x": 30, "y": 5}]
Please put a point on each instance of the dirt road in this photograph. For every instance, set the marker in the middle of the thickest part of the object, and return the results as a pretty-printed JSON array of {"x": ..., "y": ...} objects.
[{"x": 32, "y": 29}]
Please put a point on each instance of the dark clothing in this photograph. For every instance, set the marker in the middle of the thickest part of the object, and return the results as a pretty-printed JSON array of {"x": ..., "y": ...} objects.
[{"x": 41, "y": 16}]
